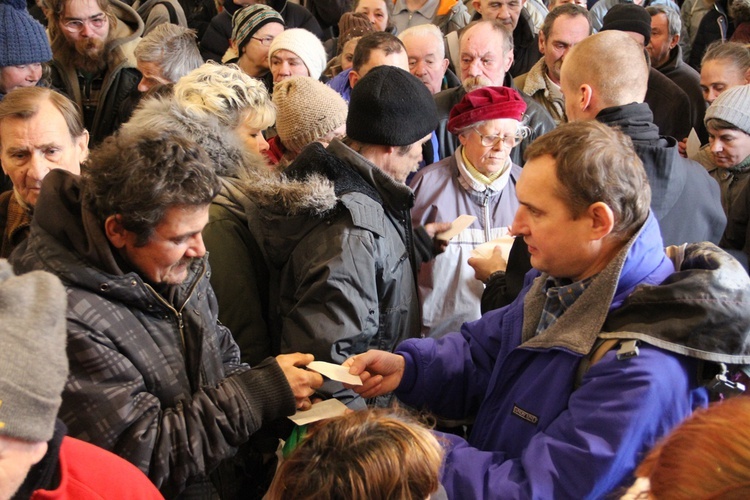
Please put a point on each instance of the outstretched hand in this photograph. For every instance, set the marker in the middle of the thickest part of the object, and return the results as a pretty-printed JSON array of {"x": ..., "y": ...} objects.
[
  {"x": 302, "y": 382},
  {"x": 380, "y": 371}
]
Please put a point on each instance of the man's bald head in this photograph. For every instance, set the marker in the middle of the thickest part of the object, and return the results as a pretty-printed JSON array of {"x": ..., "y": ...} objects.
[{"x": 603, "y": 70}]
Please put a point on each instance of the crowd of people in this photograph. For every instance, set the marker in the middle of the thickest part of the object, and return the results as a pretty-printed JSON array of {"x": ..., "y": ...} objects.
[{"x": 524, "y": 226}]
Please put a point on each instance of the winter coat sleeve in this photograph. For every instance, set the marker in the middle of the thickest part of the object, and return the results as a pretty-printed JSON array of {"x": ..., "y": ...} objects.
[
  {"x": 593, "y": 446},
  {"x": 107, "y": 402},
  {"x": 738, "y": 223},
  {"x": 239, "y": 278},
  {"x": 450, "y": 375}
]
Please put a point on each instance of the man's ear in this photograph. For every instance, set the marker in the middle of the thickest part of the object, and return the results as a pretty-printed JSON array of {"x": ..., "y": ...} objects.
[
  {"x": 602, "y": 220},
  {"x": 673, "y": 43},
  {"x": 587, "y": 96},
  {"x": 477, "y": 6},
  {"x": 116, "y": 233},
  {"x": 82, "y": 145},
  {"x": 446, "y": 62},
  {"x": 541, "y": 42},
  {"x": 353, "y": 78},
  {"x": 508, "y": 60}
]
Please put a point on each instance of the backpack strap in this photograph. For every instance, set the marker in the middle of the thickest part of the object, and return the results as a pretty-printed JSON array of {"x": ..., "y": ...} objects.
[
  {"x": 172, "y": 12},
  {"x": 601, "y": 347}
]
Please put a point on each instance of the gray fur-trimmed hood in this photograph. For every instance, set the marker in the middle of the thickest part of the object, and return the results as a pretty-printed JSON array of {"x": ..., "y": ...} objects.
[{"x": 247, "y": 178}]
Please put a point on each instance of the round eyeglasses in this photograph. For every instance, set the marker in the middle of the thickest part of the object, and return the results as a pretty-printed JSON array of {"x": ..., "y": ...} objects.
[
  {"x": 488, "y": 141},
  {"x": 76, "y": 25}
]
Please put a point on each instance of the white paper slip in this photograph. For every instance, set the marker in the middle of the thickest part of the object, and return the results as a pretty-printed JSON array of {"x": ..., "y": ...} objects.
[
  {"x": 458, "y": 225},
  {"x": 335, "y": 372},
  {"x": 319, "y": 411},
  {"x": 485, "y": 249},
  {"x": 693, "y": 144}
]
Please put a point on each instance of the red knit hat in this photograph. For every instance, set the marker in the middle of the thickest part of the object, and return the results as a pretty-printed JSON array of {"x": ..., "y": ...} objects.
[{"x": 487, "y": 103}]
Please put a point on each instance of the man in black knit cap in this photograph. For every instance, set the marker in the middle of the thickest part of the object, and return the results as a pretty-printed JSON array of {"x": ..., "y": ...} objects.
[{"x": 347, "y": 270}]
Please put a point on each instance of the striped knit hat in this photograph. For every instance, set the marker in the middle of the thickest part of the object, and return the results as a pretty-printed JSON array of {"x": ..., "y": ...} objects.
[{"x": 246, "y": 22}]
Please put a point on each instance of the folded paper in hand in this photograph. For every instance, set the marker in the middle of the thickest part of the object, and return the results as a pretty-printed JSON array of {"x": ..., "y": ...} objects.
[
  {"x": 319, "y": 411},
  {"x": 335, "y": 372},
  {"x": 458, "y": 225}
]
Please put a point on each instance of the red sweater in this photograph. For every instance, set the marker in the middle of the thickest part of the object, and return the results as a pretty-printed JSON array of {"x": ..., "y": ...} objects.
[{"x": 88, "y": 472}]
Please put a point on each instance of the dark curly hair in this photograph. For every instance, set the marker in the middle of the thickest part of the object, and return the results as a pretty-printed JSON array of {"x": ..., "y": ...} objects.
[{"x": 140, "y": 178}]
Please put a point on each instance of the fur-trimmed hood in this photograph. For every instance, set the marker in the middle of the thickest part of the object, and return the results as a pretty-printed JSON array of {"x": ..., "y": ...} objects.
[{"x": 247, "y": 179}]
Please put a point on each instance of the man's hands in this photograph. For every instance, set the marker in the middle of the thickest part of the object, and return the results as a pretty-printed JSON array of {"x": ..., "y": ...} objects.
[
  {"x": 303, "y": 382},
  {"x": 435, "y": 228},
  {"x": 381, "y": 372},
  {"x": 485, "y": 266}
]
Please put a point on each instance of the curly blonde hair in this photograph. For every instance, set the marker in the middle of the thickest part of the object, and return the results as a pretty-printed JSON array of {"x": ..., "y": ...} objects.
[{"x": 226, "y": 93}]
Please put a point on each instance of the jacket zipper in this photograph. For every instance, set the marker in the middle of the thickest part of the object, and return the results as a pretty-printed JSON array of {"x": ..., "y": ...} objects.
[
  {"x": 178, "y": 313},
  {"x": 486, "y": 212}
]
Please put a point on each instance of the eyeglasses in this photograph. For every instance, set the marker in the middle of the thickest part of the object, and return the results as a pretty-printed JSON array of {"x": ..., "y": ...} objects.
[
  {"x": 265, "y": 41},
  {"x": 76, "y": 25},
  {"x": 488, "y": 141}
]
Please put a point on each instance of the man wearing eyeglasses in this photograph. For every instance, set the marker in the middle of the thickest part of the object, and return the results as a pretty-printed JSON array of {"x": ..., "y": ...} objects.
[
  {"x": 479, "y": 179},
  {"x": 93, "y": 62}
]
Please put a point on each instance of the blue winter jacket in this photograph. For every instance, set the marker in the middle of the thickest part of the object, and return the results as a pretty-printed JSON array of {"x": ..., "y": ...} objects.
[{"x": 535, "y": 436}]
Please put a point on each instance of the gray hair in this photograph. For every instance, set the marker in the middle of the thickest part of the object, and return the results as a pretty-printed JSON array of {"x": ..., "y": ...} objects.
[
  {"x": 426, "y": 30},
  {"x": 171, "y": 47},
  {"x": 674, "y": 23}
]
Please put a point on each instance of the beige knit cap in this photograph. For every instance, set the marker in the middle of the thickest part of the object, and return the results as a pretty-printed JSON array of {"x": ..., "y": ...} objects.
[{"x": 307, "y": 111}]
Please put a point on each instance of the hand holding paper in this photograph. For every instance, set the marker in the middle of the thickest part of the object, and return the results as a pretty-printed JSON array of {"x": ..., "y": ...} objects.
[
  {"x": 458, "y": 225},
  {"x": 334, "y": 372}
]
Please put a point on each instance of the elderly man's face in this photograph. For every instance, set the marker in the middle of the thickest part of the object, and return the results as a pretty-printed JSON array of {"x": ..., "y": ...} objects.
[
  {"x": 661, "y": 43},
  {"x": 559, "y": 243},
  {"x": 174, "y": 244},
  {"x": 483, "y": 62},
  {"x": 23, "y": 75},
  {"x": 16, "y": 458},
  {"x": 507, "y": 11},
  {"x": 403, "y": 161},
  {"x": 425, "y": 61},
  {"x": 565, "y": 33},
  {"x": 31, "y": 147},
  {"x": 84, "y": 25}
]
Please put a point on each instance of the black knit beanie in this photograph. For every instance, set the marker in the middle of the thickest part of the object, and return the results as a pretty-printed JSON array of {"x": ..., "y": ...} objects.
[
  {"x": 628, "y": 17},
  {"x": 390, "y": 107}
]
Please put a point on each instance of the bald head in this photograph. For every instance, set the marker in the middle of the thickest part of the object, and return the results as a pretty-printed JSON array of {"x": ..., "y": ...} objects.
[{"x": 603, "y": 70}]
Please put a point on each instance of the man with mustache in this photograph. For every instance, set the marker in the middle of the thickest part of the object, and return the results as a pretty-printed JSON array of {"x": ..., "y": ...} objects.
[
  {"x": 154, "y": 377},
  {"x": 563, "y": 27},
  {"x": 93, "y": 62},
  {"x": 486, "y": 54}
]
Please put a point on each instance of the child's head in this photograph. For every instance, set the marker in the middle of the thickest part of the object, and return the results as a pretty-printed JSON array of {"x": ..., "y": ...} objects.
[{"x": 374, "y": 454}]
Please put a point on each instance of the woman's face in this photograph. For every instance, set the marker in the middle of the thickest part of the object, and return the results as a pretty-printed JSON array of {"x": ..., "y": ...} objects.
[
  {"x": 347, "y": 55},
  {"x": 718, "y": 75},
  {"x": 251, "y": 137},
  {"x": 489, "y": 160},
  {"x": 376, "y": 11},
  {"x": 728, "y": 147},
  {"x": 256, "y": 50}
]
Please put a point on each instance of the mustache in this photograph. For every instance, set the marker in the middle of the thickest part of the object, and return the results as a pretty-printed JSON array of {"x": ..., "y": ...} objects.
[{"x": 476, "y": 82}]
